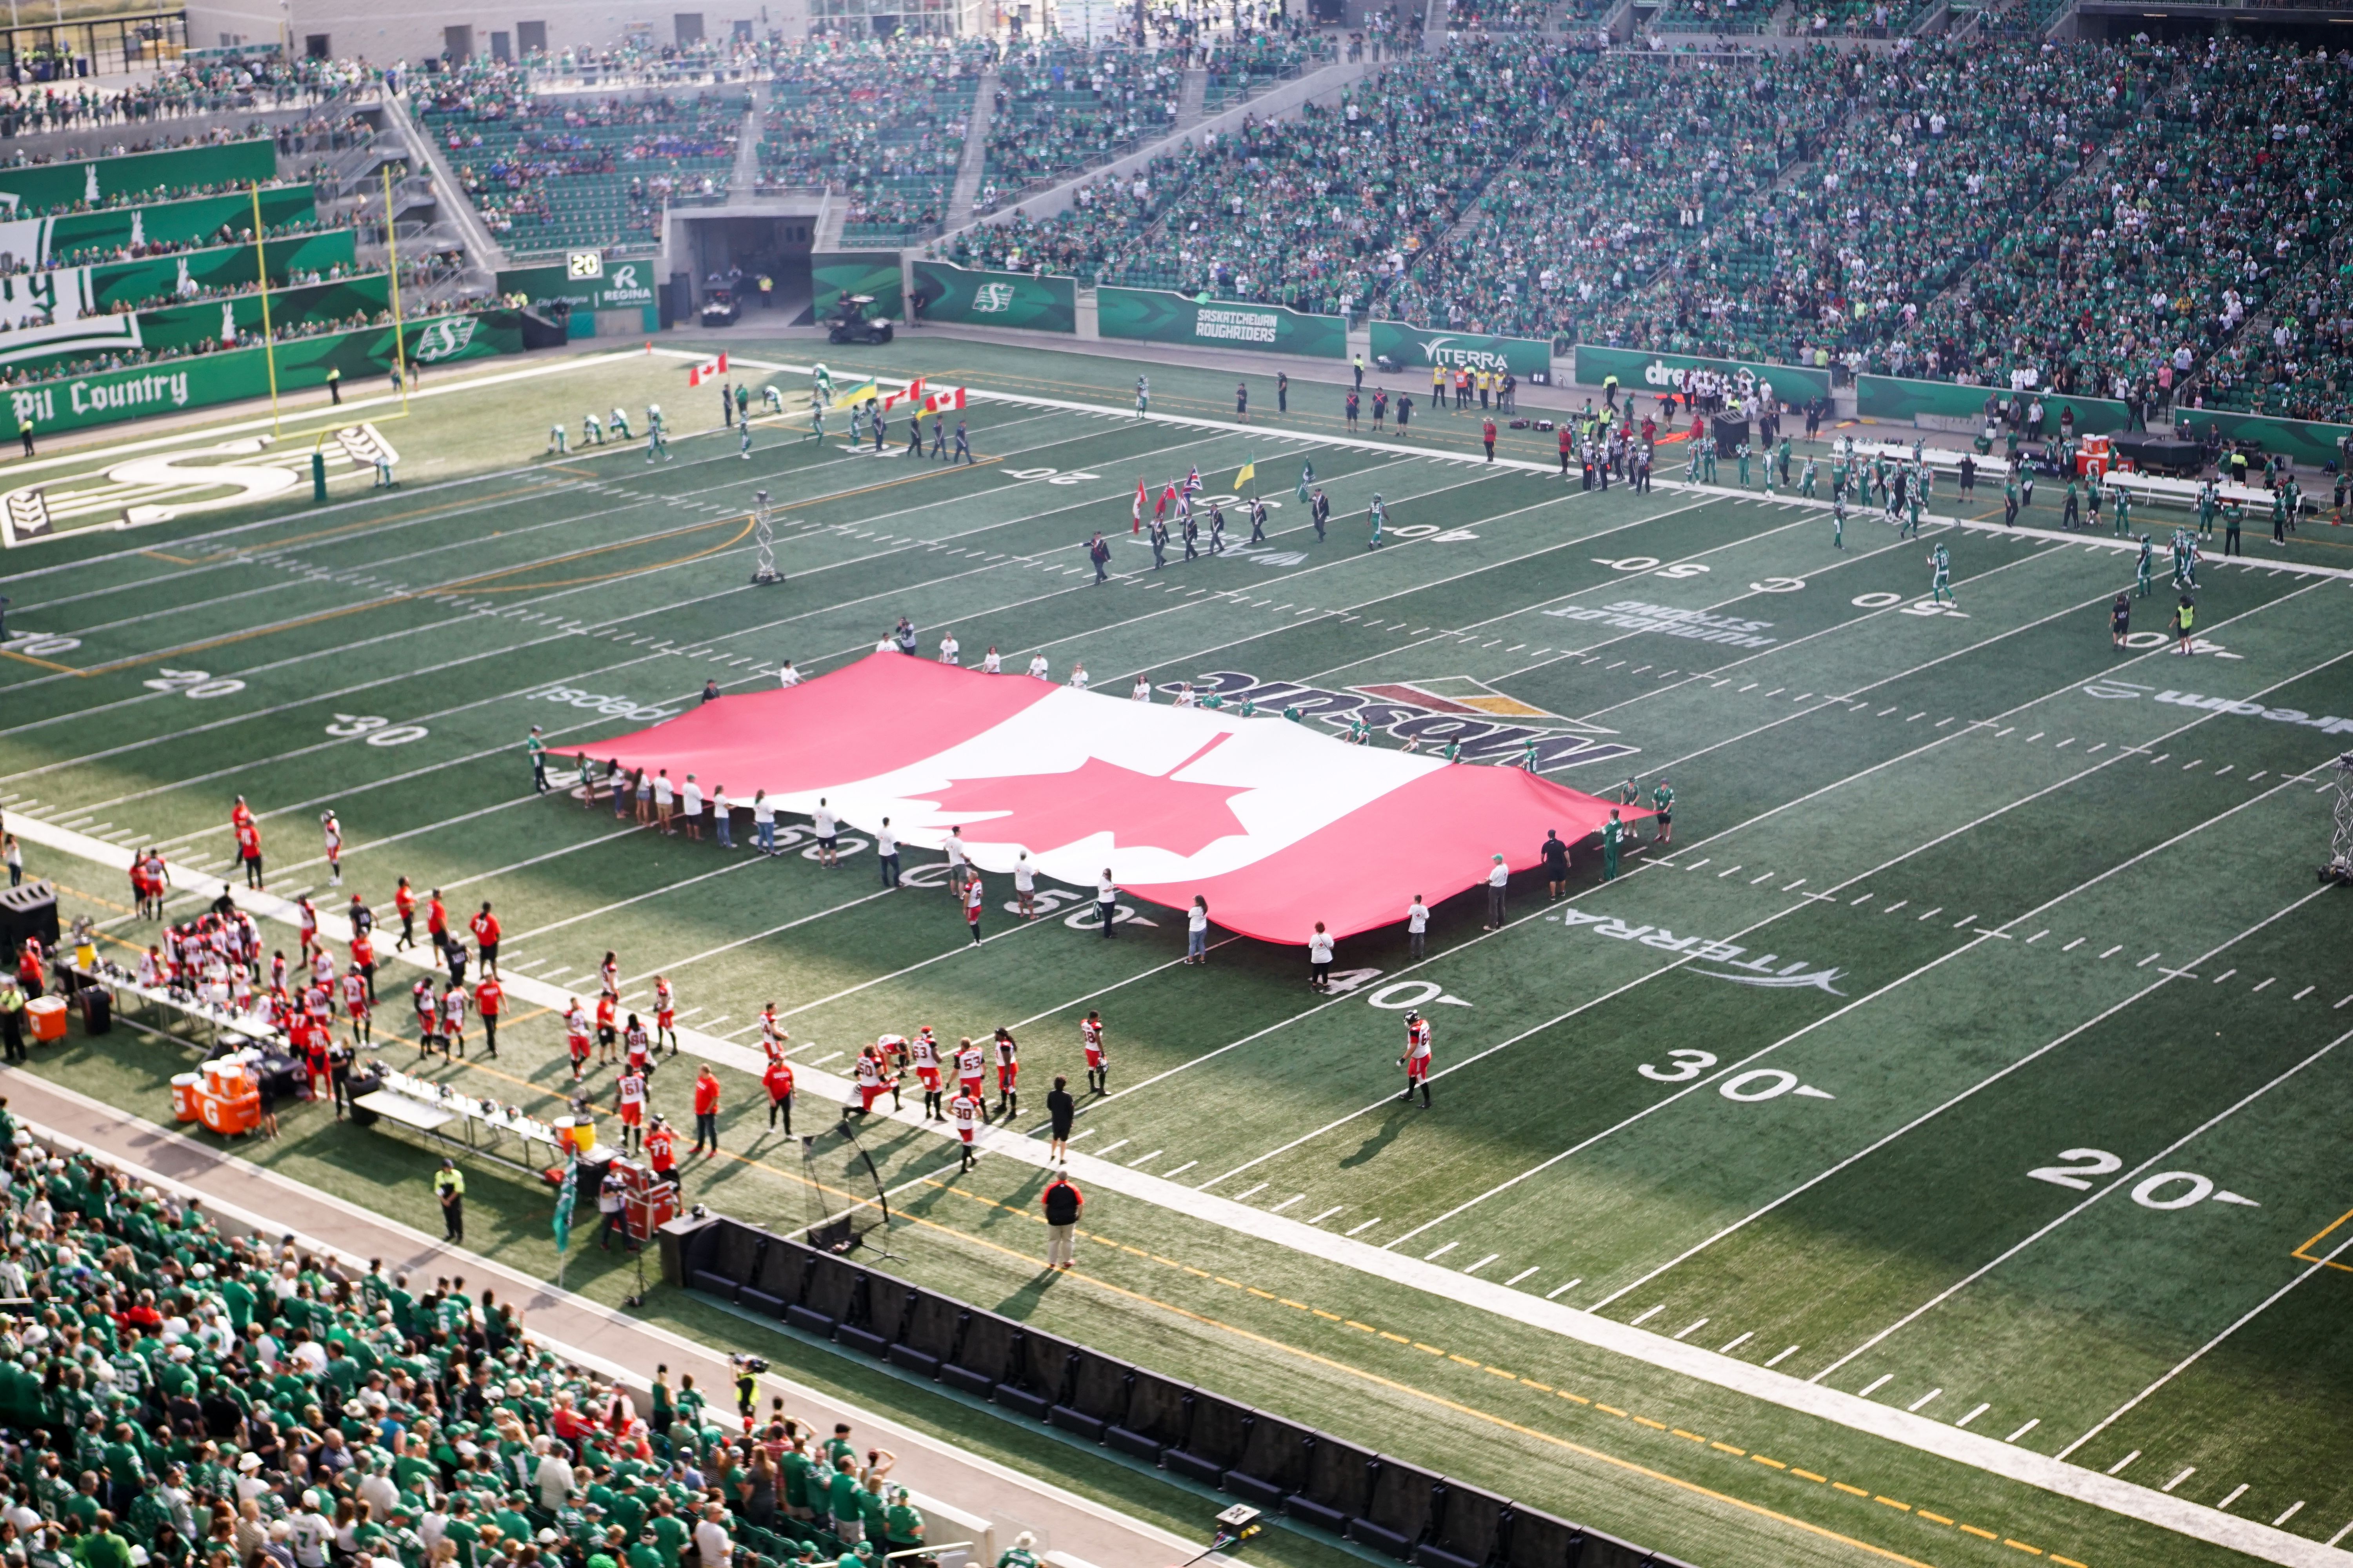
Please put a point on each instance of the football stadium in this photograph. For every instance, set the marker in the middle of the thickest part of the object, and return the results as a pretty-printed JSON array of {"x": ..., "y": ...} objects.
[{"x": 1497, "y": 784}]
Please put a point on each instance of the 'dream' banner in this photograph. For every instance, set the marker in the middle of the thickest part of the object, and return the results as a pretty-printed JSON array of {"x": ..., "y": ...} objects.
[
  {"x": 1154, "y": 315},
  {"x": 1640, "y": 372},
  {"x": 39, "y": 187},
  {"x": 949, "y": 293},
  {"x": 231, "y": 375},
  {"x": 1422, "y": 347}
]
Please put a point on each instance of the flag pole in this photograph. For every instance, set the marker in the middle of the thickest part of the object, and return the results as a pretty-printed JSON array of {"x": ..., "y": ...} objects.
[{"x": 261, "y": 269}]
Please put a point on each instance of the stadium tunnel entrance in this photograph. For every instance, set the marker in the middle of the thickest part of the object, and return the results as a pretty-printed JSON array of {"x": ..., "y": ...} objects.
[{"x": 721, "y": 256}]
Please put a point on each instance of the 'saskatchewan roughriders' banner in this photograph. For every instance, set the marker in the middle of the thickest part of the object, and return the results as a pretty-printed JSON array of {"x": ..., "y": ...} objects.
[
  {"x": 161, "y": 279},
  {"x": 874, "y": 274},
  {"x": 231, "y": 376},
  {"x": 1640, "y": 372},
  {"x": 1900, "y": 398},
  {"x": 1154, "y": 315},
  {"x": 950, "y": 293},
  {"x": 192, "y": 325},
  {"x": 1421, "y": 347},
  {"x": 40, "y": 187},
  {"x": 2309, "y": 442},
  {"x": 625, "y": 286}
]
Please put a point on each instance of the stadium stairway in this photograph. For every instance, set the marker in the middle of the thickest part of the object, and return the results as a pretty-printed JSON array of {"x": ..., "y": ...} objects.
[
  {"x": 745, "y": 182},
  {"x": 975, "y": 151},
  {"x": 482, "y": 250},
  {"x": 1324, "y": 85},
  {"x": 1189, "y": 103}
]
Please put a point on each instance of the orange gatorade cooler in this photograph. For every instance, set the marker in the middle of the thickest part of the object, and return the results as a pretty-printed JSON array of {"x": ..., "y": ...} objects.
[
  {"x": 46, "y": 1017},
  {"x": 184, "y": 1096}
]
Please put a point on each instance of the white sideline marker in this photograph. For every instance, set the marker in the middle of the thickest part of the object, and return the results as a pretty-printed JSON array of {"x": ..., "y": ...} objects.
[
  {"x": 1876, "y": 1384},
  {"x": 1520, "y": 1275},
  {"x": 1973, "y": 1415},
  {"x": 1647, "y": 1316},
  {"x": 2188, "y": 1471},
  {"x": 1785, "y": 1355},
  {"x": 1924, "y": 1399},
  {"x": 1367, "y": 1224},
  {"x": 2022, "y": 1431},
  {"x": 2117, "y": 1469},
  {"x": 1735, "y": 1344},
  {"x": 1557, "y": 1289}
]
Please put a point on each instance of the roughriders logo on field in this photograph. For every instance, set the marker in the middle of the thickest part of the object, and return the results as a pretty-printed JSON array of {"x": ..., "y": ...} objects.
[
  {"x": 1766, "y": 968},
  {"x": 1427, "y": 711}
]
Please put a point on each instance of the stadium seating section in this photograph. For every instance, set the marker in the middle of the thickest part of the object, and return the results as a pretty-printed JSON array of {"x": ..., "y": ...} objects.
[{"x": 881, "y": 124}]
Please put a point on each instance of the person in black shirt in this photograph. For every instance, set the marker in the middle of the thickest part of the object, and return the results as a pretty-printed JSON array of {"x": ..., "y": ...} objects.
[
  {"x": 1556, "y": 861},
  {"x": 1061, "y": 1112},
  {"x": 1320, "y": 510}
]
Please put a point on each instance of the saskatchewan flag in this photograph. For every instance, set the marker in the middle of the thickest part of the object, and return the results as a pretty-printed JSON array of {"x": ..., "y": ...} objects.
[
  {"x": 1249, "y": 472},
  {"x": 564, "y": 1197},
  {"x": 851, "y": 399}
]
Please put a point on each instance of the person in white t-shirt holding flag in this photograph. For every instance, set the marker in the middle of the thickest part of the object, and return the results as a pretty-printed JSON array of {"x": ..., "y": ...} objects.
[
  {"x": 951, "y": 651},
  {"x": 788, "y": 677},
  {"x": 1142, "y": 692},
  {"x": 1025, "y": 885},
  {"x": 1039, "y": 668},
  {"x": 1079, "y": 677},
  {"x": 823, "y": 822},
  {"x": 989, "y": 662}
]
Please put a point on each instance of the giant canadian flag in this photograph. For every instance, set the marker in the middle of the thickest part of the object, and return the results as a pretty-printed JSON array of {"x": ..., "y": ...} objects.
[{"x": 1276, "y": 824}]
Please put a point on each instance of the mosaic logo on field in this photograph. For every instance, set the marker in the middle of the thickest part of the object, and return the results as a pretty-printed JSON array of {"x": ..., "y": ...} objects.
[
  {"x": 1445, "y": 709},
  {"x": 1766, "y": 968},
  {"x": 611, "y": 707},
  {"x": 1634, "y": 615},
  {"x": 992, "y": 298},
  {"x": 2128, "y": 690}
]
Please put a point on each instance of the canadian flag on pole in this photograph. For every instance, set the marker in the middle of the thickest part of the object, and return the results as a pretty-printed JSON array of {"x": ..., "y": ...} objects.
[
  {"x": 914, "y": 393},
  {"x": 1277, "y": 825},
  {"x": 710, "y": 369},
  {"x": 947, "y": 398}
]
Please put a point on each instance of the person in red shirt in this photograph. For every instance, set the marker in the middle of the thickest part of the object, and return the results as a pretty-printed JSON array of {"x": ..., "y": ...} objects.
[
  {"x": 485, "y": 927},
  {"x": 706, "y": 1112},
  {"x": 608, "y": 1034},
  {"x": 404, "y": 904},
  {"x": 437, "y": 922},
  {"x": 240, "y": 814},
  {"x": 488, "y": 999},
  {"x": 1564, "y": 448},
  {"x": 1487, "y": 435},
  {"x": 364, "y": 962},
  {"x": 662, "y": 1151},
  {"x": 779, "y": 1081},
  {"x": 249, "y": 851}
]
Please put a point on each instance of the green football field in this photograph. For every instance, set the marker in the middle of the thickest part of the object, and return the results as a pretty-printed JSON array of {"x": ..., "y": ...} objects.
[{"x": 1973, "y": 1050}]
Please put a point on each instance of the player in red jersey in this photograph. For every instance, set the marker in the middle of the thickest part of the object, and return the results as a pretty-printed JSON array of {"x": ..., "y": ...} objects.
[
  {"x": 355, "y": 1004},
  {"x": 609, "y": 1035},
  {"x": 665, "y": 1012},
  {"x": 629, "y": 1097}
]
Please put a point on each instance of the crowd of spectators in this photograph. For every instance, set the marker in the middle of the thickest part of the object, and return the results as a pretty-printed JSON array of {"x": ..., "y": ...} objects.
[
  {"x": 549, "y": 171},
  {"x": 281, "y": 332},
  {"x": 1323, "y": 211},
  {"x": 1895, "y": 201},
  {"x": 1059, "y": 109},
  {"x": 882, "y": 123},
  {"x": 174, "y": 1397},
  {"x": 182, "y": 88},
  {"x": 2222, "y": 184},
  {"x": 1108, "y": 216},
  {"x": 1645, "y": 156}
]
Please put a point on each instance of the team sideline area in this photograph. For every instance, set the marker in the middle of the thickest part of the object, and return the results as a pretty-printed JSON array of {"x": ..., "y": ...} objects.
[{"x": 1924, "y": 1148}]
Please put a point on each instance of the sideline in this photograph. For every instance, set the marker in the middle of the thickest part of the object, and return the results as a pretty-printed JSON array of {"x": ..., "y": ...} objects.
[{"x": 1850, "y": 1411}]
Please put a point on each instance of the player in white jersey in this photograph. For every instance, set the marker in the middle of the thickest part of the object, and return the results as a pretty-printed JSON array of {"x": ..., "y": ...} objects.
[
  {"x": 871, "y": 1080},
  {"x": 965, "y": 1112},
  {"x": 355, "y": 1004},
  {"x": 923, "y": 1051},
  {"x": 332, "y": 831},
  {"x": 971, "y": 1062},
  {"x": 1008, "y": 1074},
  {"x": 1416, "y": 1060},
  {"x": 1091, "y": 1036},
  {"x": 576, "y": 1037},
  {"x": 665, "y": 1012},
  {"x": 629, "y": 1095},
  {"x": 771, "y": 1036}
]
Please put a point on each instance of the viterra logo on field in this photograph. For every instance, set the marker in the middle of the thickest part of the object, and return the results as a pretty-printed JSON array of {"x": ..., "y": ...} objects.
[{"x": 1438, "y": 350}]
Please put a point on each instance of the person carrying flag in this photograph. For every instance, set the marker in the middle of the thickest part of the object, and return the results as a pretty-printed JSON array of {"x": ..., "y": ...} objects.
[
  {"x": 1307, "y": 477},
  {"x": 1136, "y": 513}
]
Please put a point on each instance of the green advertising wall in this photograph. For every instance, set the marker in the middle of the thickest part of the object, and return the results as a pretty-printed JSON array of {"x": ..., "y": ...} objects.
[
  {"x": 1640, "y": 372},
  {"x": 625, "y": 285},
  {"x": 836, "y": 273},
  {"x": 178, "y": 223},
  {"x": 220, "y": 267},
  {"x": 191, "y": 326},
  {"x": 1898, "y": 398},
  {"x": 1154, "y": 315},
  {"x": 949, "y": 293},
  {"x": 2309, "y": 443},
  {"x": 41, "y": 186},
  {"x": 1422, "y": 347},
  {"x": 200, "y": 381}
]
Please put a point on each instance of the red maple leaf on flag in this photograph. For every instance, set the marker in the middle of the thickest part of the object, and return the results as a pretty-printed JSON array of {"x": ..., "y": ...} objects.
[{"x": 1041, "y": 812}]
